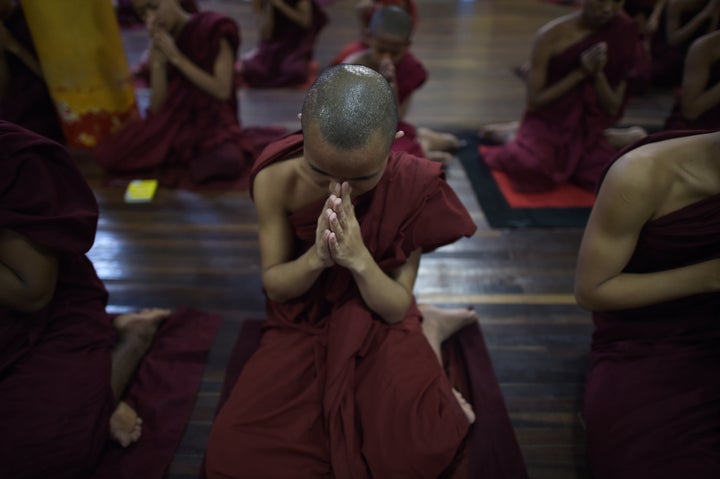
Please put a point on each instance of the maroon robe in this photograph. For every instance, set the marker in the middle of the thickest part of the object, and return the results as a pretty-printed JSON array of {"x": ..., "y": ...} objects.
[
  {"x": 708, "y": 120},
  {"x": 193, "y": 138},
  {"x": 284, "y": 58},
  {"x": 27, "y": 101},
  {"x": 55, "y": 395},
  {"x": 334, "y": 391},
  {"x": 564, "y": 141},
  {"x": 652, "y": 400}
]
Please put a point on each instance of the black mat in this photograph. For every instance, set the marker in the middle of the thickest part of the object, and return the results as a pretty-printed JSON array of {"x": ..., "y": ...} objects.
[{"x": 498, "y": 212}]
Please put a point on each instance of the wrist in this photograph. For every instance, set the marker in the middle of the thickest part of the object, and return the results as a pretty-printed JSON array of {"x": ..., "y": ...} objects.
[{"x": 361, "y": 264}]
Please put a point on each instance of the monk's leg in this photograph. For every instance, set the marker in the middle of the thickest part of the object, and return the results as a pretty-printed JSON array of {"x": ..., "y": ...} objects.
[
  {"x": 621, "y": 137},
  {"x": 437, "y": 140},
  {"x": 438, "y": 325},
  {"x": 135, "y": 333}
]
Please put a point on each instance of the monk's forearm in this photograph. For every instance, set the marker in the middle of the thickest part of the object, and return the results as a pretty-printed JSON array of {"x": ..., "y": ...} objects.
[
  {"x": 17, "y": 294},
  {"x": 692, "y": 108},
  {"x": 290, "y": 280},
  {"x": 556, "y": 90},
  {"x": 27, "y": 274},
  {"x": 382, "y": 294},
  {"x": 204, "y": 80},
  {"x": 628, "y": 290},
  {"x": 684, "y": 33},
  {"x": 611, "y": 100},
  {"x": 158, "y": 84}
]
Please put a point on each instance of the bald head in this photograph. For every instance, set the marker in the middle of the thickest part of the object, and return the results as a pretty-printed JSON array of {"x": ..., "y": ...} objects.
[
  {"x": 349, "y": 105},
  {"x": 392, "y": 20}
]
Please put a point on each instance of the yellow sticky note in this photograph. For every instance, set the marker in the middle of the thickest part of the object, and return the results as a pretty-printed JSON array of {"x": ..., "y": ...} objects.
[{"x": 140, "y": 191}]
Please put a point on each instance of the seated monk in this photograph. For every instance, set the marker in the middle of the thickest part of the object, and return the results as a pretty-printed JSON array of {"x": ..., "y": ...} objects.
[
  {"x": 697, "y": 105},
  {"x": 191, "y": 133},
  {"x": 575, "y": 94},
  {"x": 64, "y": 363},
  {"x": 365, "y": 9},
  {"x": 288, "y": 33},
  {"x": 388, "y": 36},
  {"x": 346, "y": 381},
  {"x": 649, "y": 270},
  {"x": 684, "y": 21},
  {"x": 24, "y": 96}
]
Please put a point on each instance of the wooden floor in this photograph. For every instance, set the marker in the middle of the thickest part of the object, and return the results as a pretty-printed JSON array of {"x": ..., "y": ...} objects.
[{"x": 200, "y": 249}]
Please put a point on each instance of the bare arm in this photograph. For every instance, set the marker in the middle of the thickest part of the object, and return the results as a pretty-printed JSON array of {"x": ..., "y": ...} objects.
[
  {"x": 284, "y": 277},
  {"x": 301, "y": 14},
  {"x": 626, "y": 201},
  {"x": 678, "y": 33},
  {"x": 219, "y": 83},
  {"x": 388, "y": 295},
  {"x": 158, "y": 79},
  {"x": 594, "y": 60},
  {"x": 27, "y": 274},
  {"x": 696, "y": 98},
  {"x": 653, "y": 20},
  {"x": 539, "y": 93}
]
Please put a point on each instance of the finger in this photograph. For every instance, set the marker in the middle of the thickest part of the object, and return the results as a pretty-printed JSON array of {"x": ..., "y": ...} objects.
[
  {"x": 333, "y": 243},
  {"x": 335, "y": 224}
]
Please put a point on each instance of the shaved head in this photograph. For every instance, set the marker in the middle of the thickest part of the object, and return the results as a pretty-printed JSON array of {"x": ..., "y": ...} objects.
[
  {"x": 391, "y": 20},
  {"x": 351, "y": 105}
]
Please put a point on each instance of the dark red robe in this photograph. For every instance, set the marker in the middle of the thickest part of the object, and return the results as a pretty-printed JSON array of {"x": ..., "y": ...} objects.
[
  {"x": 652, "y": 400},
  {"x": 284, "y": 59},
  {"x": 334, "y": 391},
  {"x": 27, "y": 101},
  {"x": 564, "y": 141},
  {"x": 193, "y": 138},
  {"x": 55, "y": 396}
]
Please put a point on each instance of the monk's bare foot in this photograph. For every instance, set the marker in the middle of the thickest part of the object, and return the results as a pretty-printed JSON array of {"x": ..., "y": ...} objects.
[
  {"x": 125, "y": 425},
  {"x": 443, "y": 323},
  {"x": 439, "y": 156},
  {"x": 465, "y": 406},
  {"x": 499, "y": 132},
  {"x": 435, "y": 140},
  {"x": 621, "y": 137},
  {"x": 141, "y": 325}
]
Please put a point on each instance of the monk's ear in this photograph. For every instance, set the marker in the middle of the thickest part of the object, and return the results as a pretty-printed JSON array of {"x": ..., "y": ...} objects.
[{"x": 399, "y": 134}]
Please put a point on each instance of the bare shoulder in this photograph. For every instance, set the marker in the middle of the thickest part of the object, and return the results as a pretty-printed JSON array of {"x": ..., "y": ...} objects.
[
  {"x": 272, "y": 184},
  {"x": 557, "y": 27},
  {"x": 555, "y": 34},
  {"x": 642, "y": 173}
]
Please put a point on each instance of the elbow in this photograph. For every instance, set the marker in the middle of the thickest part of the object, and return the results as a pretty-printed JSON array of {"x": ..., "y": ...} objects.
[
  {"x": 33, "y": 301},
  {"x": 223, "y": 93},
  {"x": 584, "y": 297}
]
